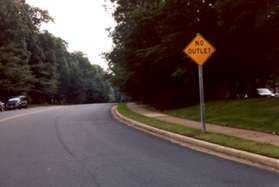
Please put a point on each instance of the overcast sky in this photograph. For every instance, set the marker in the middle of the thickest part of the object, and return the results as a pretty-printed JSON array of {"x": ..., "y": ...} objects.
[{"x": 82, "y": 24}]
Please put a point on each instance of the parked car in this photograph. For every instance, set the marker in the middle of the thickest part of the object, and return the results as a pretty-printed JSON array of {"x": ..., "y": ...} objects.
[
  {"x": 17, "y": 103},
  {"x": 2, "y": 106},
  {"x": 265, "y": 92}
]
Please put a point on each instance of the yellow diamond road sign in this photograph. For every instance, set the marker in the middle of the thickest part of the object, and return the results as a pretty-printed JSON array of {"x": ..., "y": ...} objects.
[{"x": 199, "y": 49}]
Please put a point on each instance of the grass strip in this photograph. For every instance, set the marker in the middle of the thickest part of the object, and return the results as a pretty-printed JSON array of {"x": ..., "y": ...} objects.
[
  {"x": 253, "y": 114},
  {"x": 224, "y": 140}
]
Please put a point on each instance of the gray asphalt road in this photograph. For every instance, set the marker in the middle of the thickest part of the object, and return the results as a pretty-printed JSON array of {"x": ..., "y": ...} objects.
[{"x": 83, "y": 146}]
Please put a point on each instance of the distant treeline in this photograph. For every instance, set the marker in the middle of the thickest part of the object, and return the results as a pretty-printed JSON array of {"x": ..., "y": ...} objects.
[
  {"x": 37, "y": 64},
  {"x": 148, "y": 64}
]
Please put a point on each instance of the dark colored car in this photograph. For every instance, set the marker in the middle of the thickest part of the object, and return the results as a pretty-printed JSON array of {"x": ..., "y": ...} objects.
[{"x": 17, "y": 103}]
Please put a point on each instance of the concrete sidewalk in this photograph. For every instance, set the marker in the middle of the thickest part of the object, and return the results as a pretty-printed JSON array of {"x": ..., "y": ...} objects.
[{"x": 241, "y": 133}]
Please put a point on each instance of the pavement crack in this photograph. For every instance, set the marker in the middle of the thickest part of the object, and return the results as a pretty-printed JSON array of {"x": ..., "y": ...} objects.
[
  {"x": 71, "y": 153},
  {"x": 61, "y": 141}
]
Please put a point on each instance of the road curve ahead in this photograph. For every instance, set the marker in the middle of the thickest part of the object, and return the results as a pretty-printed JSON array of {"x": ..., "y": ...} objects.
[{"x": 84, "y": 146}]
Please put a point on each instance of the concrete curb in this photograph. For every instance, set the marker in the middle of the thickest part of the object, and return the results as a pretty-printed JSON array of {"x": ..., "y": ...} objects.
[{"x": 202, "y": 146}]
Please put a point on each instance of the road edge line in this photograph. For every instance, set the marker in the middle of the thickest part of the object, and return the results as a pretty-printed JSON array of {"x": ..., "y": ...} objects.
[
  {"x": 28, "y": 114},
  {"x": 244, "y": 157}
]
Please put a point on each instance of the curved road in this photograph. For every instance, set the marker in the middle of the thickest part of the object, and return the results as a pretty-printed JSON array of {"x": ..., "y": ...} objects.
[{"x": 84, "y": 146}]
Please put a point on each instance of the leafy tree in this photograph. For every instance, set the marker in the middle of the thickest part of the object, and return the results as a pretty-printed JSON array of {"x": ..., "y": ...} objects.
[
  {"x": 15, "y": 74},
  {"x": 38, "y": 64},
  {"x": 147, "y": 62},
  {"x": 44, "y": 67}
]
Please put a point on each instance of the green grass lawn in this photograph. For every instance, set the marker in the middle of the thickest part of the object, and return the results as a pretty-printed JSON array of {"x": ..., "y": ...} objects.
[
  {"x": 229, "y": 141},
  {"x": 255, "y": 114}
]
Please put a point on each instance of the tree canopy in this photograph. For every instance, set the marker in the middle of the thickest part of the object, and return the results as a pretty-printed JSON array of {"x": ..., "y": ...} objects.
[
  {"x": 38, "y": 64},
  {"x": 148, "y": 64}
]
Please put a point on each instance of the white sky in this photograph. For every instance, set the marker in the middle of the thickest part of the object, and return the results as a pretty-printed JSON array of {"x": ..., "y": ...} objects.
[{"x": 82, "y": 24}]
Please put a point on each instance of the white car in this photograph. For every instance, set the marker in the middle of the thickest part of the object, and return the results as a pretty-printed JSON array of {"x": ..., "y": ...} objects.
[{"x": 265, "y": 92}]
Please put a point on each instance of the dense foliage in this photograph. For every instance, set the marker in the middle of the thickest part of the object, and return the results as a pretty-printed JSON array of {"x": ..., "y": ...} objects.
[
  {"x": 37, "y": 64},
  {"x": 148, "y": 63}
]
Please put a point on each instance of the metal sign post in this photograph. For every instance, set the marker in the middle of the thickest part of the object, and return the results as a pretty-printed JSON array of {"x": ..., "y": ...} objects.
[
  {"x": 202, "y": 104},
  {"x": 200, "y": 50}
]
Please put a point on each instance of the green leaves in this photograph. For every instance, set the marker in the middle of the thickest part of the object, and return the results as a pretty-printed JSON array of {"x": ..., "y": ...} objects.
[
  {"x": 38, "y": 64},
  {"x": 148, "y": 62}
]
